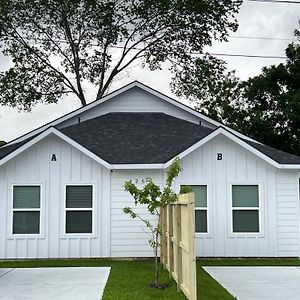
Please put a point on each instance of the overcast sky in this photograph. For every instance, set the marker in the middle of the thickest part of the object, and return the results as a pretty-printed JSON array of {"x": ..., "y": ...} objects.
[{"x": 255, "y": 19}]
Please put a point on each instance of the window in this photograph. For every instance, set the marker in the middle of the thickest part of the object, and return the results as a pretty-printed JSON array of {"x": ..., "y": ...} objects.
[
  {"x": 79, "y": 209},
  {"x": 200, "y": 192},
  {"x": 26, "y": 209},
  {"x": 245, "y": 209}
]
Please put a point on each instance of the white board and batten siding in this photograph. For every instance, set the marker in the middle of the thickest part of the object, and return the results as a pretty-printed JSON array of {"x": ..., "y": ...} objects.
[
  {"x": 279, "y": 202},
  {"x": 35, "y": 167},
  {"x": 129, "y": 238},
  {"x": 287, "y": 207}
]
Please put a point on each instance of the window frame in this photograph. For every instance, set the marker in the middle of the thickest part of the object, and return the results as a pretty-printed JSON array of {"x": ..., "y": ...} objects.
[
  {"x": 246, "y": 208},
  {"x": 40, "y": 210},
  {"x": 65, "y": 209},
  {"x": 207, "y": 208}
]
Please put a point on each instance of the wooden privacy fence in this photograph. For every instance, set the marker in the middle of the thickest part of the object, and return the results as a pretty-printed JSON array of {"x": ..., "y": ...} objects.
[{"x": 178, "y": 243}]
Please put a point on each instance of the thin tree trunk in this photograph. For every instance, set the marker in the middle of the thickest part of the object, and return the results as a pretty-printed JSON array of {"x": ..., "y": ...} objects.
[{"x": 156, "y": 261}]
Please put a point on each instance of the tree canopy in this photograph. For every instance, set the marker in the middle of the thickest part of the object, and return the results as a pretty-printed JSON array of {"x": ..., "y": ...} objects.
[
  {"x": 57, "y": 46},
  {"x": 265, "y": 107}
]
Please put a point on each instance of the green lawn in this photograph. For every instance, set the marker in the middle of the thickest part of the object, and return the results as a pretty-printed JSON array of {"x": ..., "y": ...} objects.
[{"x": 131, "y": 279}]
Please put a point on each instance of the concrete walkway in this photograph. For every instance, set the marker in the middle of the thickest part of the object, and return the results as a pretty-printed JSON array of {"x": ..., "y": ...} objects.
[
  {"x": 53, "y": 283},
  {"x": 253, "y": 283}
]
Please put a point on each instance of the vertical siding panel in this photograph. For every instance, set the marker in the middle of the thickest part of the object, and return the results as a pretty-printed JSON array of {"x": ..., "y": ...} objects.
[
  {"x": 66, "y": 165},
  {"x": 54, "y": 200},
  {"x": 11, "y": 249},
  {"x": 105, "y": 212},
  {"x": 241, "y": 165},
  {"x": 64, "y": 248},
  {"x": 270, "y": 211},
  {"x": 288, "y": 209},
  {"x": 75, "y": 165},
  {"x": 74, "y": 247},
  {"x": 251, "y": 166},
  {"x": 220, "y": 196},
  {"x": 84, "y": 247},
  {"x": 3, "y": 212}
]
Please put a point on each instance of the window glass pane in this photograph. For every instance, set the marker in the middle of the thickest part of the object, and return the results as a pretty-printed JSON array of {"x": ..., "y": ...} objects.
[
  {"x": 79, "y": 222},
  {"x": 245, "y": 196},
  {"x": 26, "y": 222},
  {"x": 200, "y": 195},
  {"x": 79, "y": 196},
  {"x": 26, "y": 196},
  {"x": 245, "y": 221},
  {"x": 201, "y": 220}
]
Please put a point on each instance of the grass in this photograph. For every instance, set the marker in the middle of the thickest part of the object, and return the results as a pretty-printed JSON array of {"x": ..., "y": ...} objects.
[{"x": 131, "y": 279}]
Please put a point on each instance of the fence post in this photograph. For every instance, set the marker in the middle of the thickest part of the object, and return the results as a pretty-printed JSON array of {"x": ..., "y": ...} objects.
[
  {"x": 178, "y": 243},
  {"x": 179, "y": 251},
  {"x": 192, "y": 254}
]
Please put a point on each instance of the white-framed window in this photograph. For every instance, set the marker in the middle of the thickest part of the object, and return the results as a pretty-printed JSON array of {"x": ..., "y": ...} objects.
[
  {"x": 201, "y": 208},
  {"x": 245, "y": 207},
  {"x": 79, "y": 209},
  {"x": 26, "y": 211}
]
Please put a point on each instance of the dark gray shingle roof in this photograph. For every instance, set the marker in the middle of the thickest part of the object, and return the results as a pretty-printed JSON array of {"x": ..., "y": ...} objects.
[
  {"x": 143, "y": 138},
  {"x": 277, "y": 155},
  {"x": 136, "y": 138},
  {"x": 5, "y": 150}
]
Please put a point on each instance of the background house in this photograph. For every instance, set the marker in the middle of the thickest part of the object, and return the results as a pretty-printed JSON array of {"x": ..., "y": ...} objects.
[{"x": 62, "y": 184}]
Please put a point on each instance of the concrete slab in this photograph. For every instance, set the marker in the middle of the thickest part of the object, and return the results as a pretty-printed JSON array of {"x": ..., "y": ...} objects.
[
  {"x": 53, "y": 283},
  {"x": 268, "y": 283},
  {"x": 4, "y": 271}
]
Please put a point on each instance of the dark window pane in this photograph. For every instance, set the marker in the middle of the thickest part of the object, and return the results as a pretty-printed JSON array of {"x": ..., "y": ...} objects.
[
  {"x": 200, "y": 192},
  {"x": 26, "y": 222},
  {"x": 245, "y": 221},
  {"x": 79, "y": 222},
  {"x": 26, "y": 196},
  {"x": 245, "y": 196},
  {"x": 79, "y": 196},
  {"x": 201, "y": 220}
]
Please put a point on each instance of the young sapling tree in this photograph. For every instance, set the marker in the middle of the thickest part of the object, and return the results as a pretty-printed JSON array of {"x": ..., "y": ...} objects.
[{"x": 155, "y": 199}]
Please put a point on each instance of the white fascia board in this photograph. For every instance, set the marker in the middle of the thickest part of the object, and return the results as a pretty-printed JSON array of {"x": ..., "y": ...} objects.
[
  {"x": 290, "y": 167},
  {"x": 68, "y": 140},
  {"x": 233, "y": 138},
  {"x": 137, "y": 166}
]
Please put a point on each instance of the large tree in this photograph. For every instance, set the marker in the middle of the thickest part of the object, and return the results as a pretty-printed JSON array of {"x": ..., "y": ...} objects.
[
  {"x": 265, "y": 107},
  {"x": 57, "y": 46}
]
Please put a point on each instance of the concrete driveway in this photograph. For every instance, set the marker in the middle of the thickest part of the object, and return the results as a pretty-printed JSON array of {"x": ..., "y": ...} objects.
[
  {"x": 53, "y": 283},
  {"x": 267, "y": 283}
]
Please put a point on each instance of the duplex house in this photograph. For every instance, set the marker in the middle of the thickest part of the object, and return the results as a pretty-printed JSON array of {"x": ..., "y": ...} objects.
[{"x": 62, "y": 184}]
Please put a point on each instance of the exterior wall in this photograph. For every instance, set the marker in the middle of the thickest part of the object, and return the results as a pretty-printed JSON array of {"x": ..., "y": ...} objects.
[
  {"x": 135, "y": 100},
  {"x": 35, "y": 167},
  {"x": 287, "y": 196},
  {"x": 129, "y": 238},
  {"x": 278, "y": 200},
  {"x": 117, "y": 235}
]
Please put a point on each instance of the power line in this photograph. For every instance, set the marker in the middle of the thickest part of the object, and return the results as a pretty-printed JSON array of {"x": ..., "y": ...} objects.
[
  {"x": 262, "y": 38},
  {"x": 275, "y": 1},
  {"x": 198, "y": 53},
  {"x": 246, "y": 55}
]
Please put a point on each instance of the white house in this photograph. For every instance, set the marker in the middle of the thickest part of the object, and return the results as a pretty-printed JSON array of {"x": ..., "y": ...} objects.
[{"x": 62, "y": 184}]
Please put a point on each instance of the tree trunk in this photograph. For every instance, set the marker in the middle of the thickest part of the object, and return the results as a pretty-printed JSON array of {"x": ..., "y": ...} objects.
[{"x": 156, "y": 261}]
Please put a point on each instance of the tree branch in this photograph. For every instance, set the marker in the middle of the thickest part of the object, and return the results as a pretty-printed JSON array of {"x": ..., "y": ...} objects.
[
  {"x": 67, "y": 82},
  {"x": 74, "y": 50}
]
